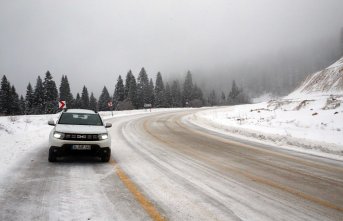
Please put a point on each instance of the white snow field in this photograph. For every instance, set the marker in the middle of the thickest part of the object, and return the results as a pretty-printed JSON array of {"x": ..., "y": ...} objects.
[{"x": 310, "y": 119}]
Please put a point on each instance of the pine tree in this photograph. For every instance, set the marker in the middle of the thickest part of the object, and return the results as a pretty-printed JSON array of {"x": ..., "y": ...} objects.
[
  {"x": 197, "y": 99},
  {"x": 50, "y": 94},
  {"x": 119, "y": 92},
  {"x": 197, "y": 93},
  {"x": 84, "y": 98},
  {"x": 212, "y": 100},
  {"x": 187, "y": 89},
  {"x": 151, "y": 95},
  {"x": 223, "y": 99},
  {"x": 22, "y": 105},
  {"x": 142, "y": 89},
  {"x": 237, "y": 96},
  {"x": 29, "y": 99},
  {"x": 160, "y": 98},
  {"x": 232, "y": 98},
  {"x": 38, "y": 97},
  {"x": 15, "y": 105},
  {"x": 176, "y": 94},
  {"x": 104, "y": 99},
  {"x": 131, "y": 89},
  {"x": 65, "y": 93},
  {"x": 77, "y": 103},
  {"x": 128, "y": 80},
  {"x": 168, "y": 97},
  {"x": 5, "y": 97},
  {"x": 93, "y": 103}
]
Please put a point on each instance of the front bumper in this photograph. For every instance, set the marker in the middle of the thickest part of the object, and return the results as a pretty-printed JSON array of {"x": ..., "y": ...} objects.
[{"x": 66, "y": 149}]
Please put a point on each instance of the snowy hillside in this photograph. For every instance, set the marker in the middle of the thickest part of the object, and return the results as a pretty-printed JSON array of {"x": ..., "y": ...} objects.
[
  {"x": 324, "y": 82},
  {"x": 310, "y": 119}
]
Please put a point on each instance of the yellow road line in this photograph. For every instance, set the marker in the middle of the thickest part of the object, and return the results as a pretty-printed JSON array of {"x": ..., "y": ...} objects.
[
  {"x": 253, "y": 177},
  {"x": 142, "y": 200}
]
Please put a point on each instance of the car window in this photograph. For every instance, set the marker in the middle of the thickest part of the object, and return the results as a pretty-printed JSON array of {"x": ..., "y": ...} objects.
[{"x": 80, "y": 119}]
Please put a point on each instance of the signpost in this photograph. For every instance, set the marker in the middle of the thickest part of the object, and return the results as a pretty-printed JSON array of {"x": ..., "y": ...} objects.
[
  {"x": 146, "y": 106},
  {"x": 110, "y": 105},
  {"x": 62, "y": 105}
]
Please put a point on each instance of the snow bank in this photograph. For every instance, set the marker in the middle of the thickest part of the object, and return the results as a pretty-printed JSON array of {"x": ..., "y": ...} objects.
[
  {"x": 310, "y": 119},
  {"x": 308, "y": 125},
  {"x": 20, "y": 134}
]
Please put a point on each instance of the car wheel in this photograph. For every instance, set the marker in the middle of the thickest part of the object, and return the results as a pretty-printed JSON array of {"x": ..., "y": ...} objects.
[
  {"x": 106, "y": 156},
  {"x": 52, "y": 155}
]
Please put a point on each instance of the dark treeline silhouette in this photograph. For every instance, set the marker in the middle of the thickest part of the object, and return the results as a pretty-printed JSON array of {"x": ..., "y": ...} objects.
[{"x": 133, "y": 94}]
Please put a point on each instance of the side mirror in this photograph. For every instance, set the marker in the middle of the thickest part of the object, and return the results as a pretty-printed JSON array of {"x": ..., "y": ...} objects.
[
  {"x": 108, "y": 125},
  {"x": 51, "y": 122}
]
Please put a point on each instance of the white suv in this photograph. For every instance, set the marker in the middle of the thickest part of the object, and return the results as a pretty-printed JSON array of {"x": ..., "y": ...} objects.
[{"x": 79, "y": 131}]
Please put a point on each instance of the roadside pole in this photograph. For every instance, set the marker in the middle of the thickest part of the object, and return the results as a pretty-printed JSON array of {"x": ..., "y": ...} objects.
[{"x": 110, "y": 105}]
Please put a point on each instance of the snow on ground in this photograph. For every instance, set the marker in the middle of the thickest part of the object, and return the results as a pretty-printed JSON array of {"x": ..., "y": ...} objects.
[
  {"x": 327, "y": 81},
  {"x": 307, "y": 125},
  {"x": 21, "y": 134},
  {"x": 262, "y": 98},
  {"x": 108, "y": 114},
  {"x": 310, "y": 119}
]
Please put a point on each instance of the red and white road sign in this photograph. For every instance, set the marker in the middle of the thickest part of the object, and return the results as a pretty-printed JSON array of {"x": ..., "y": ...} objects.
[
  {"x": 61, "y": 104},
  {"x": 109, "y": 104}
]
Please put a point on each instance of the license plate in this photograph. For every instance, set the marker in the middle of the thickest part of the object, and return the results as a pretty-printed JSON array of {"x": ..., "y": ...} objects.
[{"x": 81, "y": 147}]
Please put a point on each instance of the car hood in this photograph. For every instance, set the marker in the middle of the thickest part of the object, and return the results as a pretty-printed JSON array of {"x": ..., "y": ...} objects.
[{"x": 80, "y": 129}]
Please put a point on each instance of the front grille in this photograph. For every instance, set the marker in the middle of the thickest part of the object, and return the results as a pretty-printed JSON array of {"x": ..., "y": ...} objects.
[{"x": 83, "y": 137}]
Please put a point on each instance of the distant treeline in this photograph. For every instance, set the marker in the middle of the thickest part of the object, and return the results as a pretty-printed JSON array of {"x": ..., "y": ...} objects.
[{"x": 133, "y": 94}]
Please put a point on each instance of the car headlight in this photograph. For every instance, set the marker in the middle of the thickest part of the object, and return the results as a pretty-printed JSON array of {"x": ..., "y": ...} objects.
[
  {"x": 103, "y": 136},
  {"x": 58, "y": 135}
]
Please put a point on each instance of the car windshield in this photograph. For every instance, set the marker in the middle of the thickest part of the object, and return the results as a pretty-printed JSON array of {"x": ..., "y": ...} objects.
[{"x": 80, "y": 119}]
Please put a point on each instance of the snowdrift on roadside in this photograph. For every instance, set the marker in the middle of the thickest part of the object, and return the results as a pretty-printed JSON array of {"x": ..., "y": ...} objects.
[
  {"x": 309, "y": 129},
  {"x": 309, "y": 120}
]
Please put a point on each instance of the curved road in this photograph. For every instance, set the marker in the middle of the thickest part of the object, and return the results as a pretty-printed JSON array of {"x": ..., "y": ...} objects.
[{"x": 164, "y": 167}]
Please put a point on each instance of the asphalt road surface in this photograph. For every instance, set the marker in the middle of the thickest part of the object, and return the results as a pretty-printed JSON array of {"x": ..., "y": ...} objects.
[{"x": 165, "y": 168}]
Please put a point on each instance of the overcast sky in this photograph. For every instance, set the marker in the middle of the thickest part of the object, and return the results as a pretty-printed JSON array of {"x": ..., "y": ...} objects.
[{"x": 94, "y": 41}]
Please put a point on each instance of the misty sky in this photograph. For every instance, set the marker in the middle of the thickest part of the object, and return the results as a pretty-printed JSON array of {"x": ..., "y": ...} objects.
[{"x": 95, "y": 41}]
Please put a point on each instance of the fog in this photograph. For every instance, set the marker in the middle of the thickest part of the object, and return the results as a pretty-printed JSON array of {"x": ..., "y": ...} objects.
[{"x": 92, "y": 42}]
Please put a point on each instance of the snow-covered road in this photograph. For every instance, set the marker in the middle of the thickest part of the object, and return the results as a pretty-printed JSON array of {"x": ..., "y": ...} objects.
[
  {"x": 75, "y": 189},
  {"x": 185, "y": 172}
]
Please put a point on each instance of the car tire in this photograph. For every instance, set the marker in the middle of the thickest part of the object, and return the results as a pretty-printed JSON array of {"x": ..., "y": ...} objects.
[
  {"x": 105, "y": 157},
  {"x": 52, "y": 155}
]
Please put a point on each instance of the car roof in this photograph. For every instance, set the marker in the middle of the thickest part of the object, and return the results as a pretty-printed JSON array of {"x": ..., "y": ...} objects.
[{"x": 80, "y": 111}]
